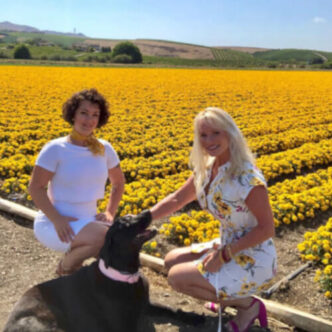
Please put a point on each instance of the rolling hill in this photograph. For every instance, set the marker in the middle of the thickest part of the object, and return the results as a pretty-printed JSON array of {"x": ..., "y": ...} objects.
[{"x": 158, "y": 51}]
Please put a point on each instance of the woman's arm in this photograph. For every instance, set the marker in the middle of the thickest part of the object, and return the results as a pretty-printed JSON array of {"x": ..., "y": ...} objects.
[
  {"x": 175, "y": 201},
  {"x": 117, "y": 179},
  {"x": 259, "y": 205},
  {"x": 37, "y": 189}
]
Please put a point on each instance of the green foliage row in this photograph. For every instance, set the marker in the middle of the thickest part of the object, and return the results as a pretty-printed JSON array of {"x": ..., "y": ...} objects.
[
  {"x": 23, "y": 37},
  {"x": 290, "y": 56}
]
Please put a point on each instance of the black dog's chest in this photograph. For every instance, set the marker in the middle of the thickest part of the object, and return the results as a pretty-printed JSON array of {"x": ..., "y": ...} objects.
[{"x": 89, "y": 299}]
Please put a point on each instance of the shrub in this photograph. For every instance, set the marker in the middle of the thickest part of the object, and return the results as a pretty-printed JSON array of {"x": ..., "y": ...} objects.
[
  {"x": 128, "y": 48},
  {"x": 316, "y": 61},
  {"x": 69, "y": 58},
  {"x": 272, "y": 65},
  {"x": 55, "y": 57},
  {"x": 106, "y": 49},
  {"x": 22, "y": 52},
  {"x": 3, "y": 55},
  {"x": 327, "y": 65},
  {"x": 122, "y": 58}
]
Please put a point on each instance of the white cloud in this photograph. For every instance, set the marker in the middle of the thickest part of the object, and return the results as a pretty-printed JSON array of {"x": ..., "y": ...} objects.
[{"x": 318, "y": 20}]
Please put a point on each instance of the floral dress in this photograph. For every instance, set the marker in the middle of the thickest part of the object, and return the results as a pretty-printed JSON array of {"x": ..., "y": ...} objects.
[{"x": 252, "y": 269}]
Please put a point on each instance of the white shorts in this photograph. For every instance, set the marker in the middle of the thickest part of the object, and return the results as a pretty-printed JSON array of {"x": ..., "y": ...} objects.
[{"x": 45, "y": 231}]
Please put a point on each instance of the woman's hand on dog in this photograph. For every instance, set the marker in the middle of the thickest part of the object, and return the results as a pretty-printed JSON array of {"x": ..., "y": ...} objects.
[{"x": 63, "y": 229}]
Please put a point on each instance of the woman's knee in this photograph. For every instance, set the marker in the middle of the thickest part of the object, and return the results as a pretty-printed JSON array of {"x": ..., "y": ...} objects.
[
  {"x": 175, "y": 280},
  {"x": 177, "y": 256},
  {"x": 92, "y": 234},
  {"x": 170, "y": 259}
]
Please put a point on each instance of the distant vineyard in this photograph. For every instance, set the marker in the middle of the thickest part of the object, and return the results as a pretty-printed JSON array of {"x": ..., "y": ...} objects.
[{"x": 231, "y": 57}]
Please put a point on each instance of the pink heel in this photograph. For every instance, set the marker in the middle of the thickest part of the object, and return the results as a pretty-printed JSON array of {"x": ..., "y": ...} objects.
[
  {"x": 262, "y": 317},
  {"x": 211, "y": 306},
  {"x": 214, "y": 307},
  {"x": 234, "y": 326}
]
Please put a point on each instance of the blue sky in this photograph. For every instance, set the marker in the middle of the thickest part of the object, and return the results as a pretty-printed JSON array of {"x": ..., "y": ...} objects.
[{"x": 257, "y": 23}]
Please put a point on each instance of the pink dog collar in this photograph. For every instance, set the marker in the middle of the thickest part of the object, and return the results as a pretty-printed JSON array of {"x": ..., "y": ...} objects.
[{"x": 116, "y": 275}]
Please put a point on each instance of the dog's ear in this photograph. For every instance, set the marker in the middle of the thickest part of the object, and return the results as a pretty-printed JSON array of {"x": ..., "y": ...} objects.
[{"x": 107, "y": 247}]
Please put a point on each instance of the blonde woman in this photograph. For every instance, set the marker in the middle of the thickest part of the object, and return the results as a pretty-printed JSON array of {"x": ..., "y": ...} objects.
[
  {"x": 226, "y": 182},
  {"x": 75, "y": 169}
]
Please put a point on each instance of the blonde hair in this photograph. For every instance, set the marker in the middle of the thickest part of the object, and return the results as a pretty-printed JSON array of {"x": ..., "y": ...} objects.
[{"x": 239, "y": 150}]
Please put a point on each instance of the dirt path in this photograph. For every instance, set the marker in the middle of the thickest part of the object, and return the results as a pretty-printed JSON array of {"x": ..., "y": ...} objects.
[{"x": 24, "y": 263}]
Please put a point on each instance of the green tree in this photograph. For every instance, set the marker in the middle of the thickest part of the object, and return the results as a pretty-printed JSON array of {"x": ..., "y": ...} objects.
[
  {"x": 22, "y": 52},
  {"x": 129, "y": 49}
]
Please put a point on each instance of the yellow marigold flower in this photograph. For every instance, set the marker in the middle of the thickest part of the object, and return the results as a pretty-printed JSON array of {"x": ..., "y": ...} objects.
[
  {"x": 186, "y": 242},
  {"x": 153, "y": 245},
  {"x": 328, "y": 294}
]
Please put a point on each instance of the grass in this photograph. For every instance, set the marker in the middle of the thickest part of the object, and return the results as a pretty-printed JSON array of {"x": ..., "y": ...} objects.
[
  {"x": 22, "y": 37},
  {"x": 241, "y": 61},
  {"x": 174, "y": 61}
]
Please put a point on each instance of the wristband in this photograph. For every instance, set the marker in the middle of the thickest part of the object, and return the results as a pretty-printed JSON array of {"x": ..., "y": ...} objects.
[
  {"x": 223, "y": 254},
  {"x": 229, "y": 251},
  {"x": 221, "y": 257}
]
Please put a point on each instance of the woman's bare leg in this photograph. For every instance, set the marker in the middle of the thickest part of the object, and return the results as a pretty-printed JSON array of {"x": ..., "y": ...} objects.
[
  {"x": 87, "y": 243},
  {"x": 185, "y": 278},
  {"x": 180, "y": 255}
]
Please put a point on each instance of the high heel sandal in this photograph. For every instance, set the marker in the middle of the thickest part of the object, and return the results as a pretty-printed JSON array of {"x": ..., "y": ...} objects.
[
  {"x": 262, "y": 317},
  {"x": 212, "y": 307},
  {"x": 62, "y": 271}
]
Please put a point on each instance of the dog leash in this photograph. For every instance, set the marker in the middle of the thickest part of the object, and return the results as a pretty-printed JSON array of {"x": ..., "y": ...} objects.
[{"x": 220, "y": 310}]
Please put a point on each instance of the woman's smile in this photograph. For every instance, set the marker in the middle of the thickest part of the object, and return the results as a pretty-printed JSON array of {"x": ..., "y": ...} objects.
[{"x": 214, "y": 140}]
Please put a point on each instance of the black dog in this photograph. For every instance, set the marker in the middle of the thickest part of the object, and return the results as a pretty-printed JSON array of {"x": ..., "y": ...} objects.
[{"x": 107, "y": 295}]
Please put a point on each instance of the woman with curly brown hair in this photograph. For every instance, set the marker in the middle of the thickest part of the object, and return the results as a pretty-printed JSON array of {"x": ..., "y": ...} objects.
[{"x": 75, "y": 169}]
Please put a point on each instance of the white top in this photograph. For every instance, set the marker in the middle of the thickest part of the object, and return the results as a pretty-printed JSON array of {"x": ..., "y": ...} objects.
[{"x": 79, "y": 175}]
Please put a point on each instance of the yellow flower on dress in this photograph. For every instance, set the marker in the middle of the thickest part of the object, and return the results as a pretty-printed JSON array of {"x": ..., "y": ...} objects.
[
  {"x": 242, "y": 293},
  {"x": 243, "y": 260},
  {"x": 200, "y": 268},
  {"x": 247, "y": 286},
  {"x": 222, "y": 295},
  {"x": 222, "y": 207},
  {"x": 256, "y": 182}
]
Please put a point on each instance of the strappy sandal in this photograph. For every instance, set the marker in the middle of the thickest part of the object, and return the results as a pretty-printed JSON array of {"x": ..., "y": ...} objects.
[
  {"x": 212, "y": 307},
  {"x": 261, "y": 315},
  {"x": 62, "y": 271}
]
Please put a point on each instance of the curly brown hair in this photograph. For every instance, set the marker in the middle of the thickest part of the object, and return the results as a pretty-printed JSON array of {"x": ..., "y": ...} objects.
[{"x": 93, "y": 96}]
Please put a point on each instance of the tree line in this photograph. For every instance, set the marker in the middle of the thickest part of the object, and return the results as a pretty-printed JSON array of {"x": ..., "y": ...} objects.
[{"x": 124, "y": 52}]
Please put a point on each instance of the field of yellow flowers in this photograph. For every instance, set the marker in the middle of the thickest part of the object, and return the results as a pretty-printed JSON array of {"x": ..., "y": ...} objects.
[{"x": 286, "y": 117}]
